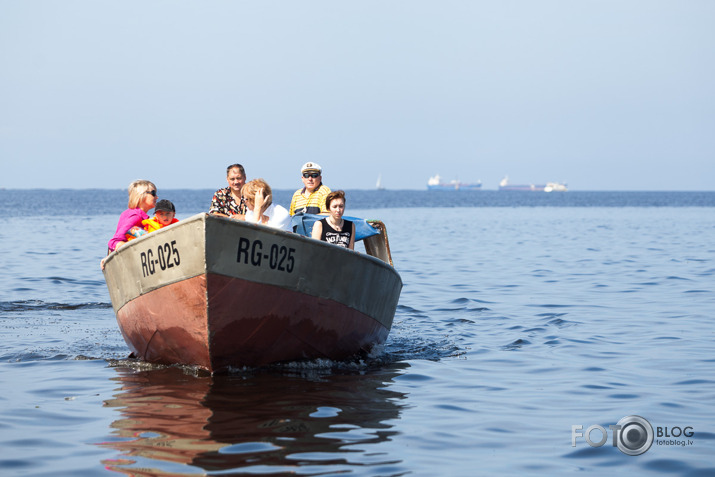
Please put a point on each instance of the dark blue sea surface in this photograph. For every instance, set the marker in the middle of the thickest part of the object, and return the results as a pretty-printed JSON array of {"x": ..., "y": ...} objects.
[{"x": 525, "y": 320}]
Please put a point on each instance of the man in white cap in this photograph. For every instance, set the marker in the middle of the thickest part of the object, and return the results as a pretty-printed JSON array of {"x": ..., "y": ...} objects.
[{"x": 311, "y": 198}]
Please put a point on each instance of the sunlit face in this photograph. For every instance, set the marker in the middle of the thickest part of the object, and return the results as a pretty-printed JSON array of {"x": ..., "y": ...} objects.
[
  {"x": 164, "y": 217},
  {"x": 312, "y": 180},
  {"x": 236, "y": 180},
  {"x": 149, "y": 199},
  {"x": 337, "y": 208}
]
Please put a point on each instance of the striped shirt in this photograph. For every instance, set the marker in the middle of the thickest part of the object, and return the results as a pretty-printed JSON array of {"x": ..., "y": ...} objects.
[{"x": 312, "y": 204}]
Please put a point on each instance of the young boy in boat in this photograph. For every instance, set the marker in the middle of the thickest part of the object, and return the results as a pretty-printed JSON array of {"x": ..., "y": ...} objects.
[{"x": 164, "y": 214}]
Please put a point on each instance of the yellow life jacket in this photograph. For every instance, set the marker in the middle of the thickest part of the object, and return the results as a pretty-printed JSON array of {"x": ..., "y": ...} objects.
[{"x": 152, "y": 225}]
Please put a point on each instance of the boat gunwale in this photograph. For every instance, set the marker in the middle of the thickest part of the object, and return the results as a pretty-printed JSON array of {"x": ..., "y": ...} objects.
[
  {"x": 205, "y": 267},
  {"x": 205, "y": 216}
]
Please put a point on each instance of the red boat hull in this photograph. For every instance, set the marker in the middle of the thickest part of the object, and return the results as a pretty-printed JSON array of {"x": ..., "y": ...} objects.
[{"x": 174, "y": 324}]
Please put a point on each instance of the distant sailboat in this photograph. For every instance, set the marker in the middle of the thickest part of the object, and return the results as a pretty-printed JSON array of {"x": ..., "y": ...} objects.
[{"x": 379, "y": 183}]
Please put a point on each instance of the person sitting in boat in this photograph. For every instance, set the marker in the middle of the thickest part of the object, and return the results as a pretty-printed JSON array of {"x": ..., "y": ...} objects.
[
  {"x": 142, "y": 198},
  {"x": 228, "y": 202},
  {"x": 334, "y": 229},
  {"x": 311, "y": 198},
  {"x": 261, "y": 209},
  {"x": 164, "y": 214}
]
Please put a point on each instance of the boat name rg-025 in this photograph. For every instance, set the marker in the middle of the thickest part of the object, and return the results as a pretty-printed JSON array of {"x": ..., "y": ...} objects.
[{"x": 167, "y": 256}]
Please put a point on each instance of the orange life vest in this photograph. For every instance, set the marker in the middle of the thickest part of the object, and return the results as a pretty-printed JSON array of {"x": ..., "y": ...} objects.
[{"x": 152, "y": 225}]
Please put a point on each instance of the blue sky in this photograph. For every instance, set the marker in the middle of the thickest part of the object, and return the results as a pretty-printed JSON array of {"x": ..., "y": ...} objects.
[{"x": 601, "y": 94}]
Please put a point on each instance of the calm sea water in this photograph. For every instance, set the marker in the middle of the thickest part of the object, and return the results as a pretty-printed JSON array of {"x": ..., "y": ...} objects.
[{"x": 522, "y": 315}]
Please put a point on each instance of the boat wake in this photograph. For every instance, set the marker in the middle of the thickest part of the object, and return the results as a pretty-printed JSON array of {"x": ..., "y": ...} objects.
[
  {"x": 392, "y": 352},
  {"x": 39, "y": 305},
  {"x": 38, "y": 330}
]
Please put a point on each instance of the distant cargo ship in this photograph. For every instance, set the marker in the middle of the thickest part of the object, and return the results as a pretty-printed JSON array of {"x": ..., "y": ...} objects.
[
  {"x": 548, "y": 187},
  {"x": 435, "y": 183}
]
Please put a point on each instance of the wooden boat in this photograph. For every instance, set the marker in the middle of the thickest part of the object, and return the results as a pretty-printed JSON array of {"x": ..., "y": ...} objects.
[{"x": 214, "y": 293}]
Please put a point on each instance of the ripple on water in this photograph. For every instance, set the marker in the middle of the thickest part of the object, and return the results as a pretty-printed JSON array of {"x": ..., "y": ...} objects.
[
  {"x": 39, "y": 305},
  {"x": 550, "y": 305},
  {"x": 248, "y": 448},
  {"x": 414, "y": 377},
  {"x": 516, "y": 345},
  {"x": 669, "y": 465},
  {"x": 625, "y": 396},
  {"x": 671, "y": 405},
  {"x": 595, "y": 386},
  {"x": 326, "y": 411},
  {"x": 707, "y": 436},
  {"x": 694, "y": 382}
]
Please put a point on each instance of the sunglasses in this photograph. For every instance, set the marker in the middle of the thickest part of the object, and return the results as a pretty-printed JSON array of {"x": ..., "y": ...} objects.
[
  {"x": 314, "y": 175},
  {"x": 151, "y": 192}
]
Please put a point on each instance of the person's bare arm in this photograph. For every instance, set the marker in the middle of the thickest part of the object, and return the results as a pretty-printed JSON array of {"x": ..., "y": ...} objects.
[
  {"x": 261, "y": 204},
  {"x": 351, "y": 246},
  {"x": 317, "y": 230}
]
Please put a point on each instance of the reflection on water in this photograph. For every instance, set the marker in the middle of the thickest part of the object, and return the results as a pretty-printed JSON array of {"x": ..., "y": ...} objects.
[{"x": 178, "y": 424}]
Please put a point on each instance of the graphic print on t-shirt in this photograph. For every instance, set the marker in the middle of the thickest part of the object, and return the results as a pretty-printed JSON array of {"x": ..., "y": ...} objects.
[{"x": 338, "y": 238}]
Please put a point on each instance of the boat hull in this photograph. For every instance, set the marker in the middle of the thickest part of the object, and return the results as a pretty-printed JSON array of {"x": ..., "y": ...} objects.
[
  {"x": 459, "y": 186},
  {"x": 240, "y": 294},
  {"x": 525, "y": 187},
  {"x": 548, "y": 187},
  {"x": 436, "y": 183}
]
